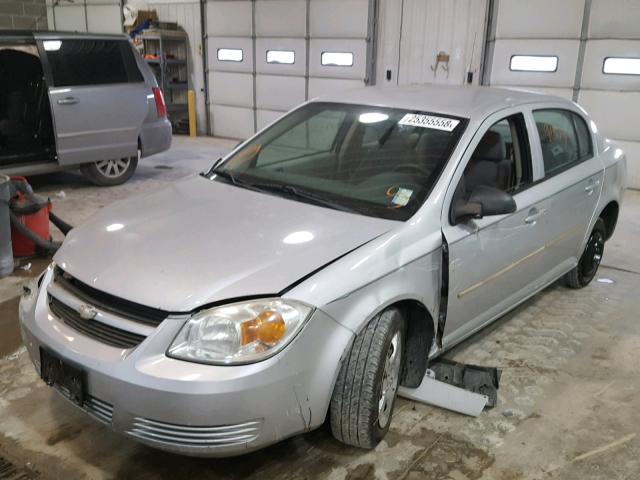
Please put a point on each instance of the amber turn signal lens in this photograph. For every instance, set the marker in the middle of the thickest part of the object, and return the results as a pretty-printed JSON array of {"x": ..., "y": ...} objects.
[{"x": 268, "y": 327}]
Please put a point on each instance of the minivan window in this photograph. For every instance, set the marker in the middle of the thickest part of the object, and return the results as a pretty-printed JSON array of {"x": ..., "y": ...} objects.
[
  {"x": 375, "y": 161},
  {"x": 559, "y": 140},
  {"x": 75, "y": 62}
]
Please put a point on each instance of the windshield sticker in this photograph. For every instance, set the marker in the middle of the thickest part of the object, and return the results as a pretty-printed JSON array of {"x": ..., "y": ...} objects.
[
  {"x": 402, "y": 197},
  {"x": 428, "y": 121}
]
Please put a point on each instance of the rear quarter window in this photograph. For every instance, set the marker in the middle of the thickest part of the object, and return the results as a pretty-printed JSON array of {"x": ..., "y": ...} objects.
[{"x": 76, "y": 62}]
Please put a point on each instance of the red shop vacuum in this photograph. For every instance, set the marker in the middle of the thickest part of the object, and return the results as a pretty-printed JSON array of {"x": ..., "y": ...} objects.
[{"x": 30, "y": 215}]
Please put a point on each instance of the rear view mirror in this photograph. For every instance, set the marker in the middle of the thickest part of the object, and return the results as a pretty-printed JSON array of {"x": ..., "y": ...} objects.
[{"x": 483, "y": 202}]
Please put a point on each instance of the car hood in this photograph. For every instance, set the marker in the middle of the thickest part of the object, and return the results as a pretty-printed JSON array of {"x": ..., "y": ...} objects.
[{"x": 199, "y": 241}]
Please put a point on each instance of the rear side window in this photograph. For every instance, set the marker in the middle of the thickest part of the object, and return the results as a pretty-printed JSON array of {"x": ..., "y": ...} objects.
[
  {"x": 564, "y": 138},
  {"x": 75, "y": 62}
]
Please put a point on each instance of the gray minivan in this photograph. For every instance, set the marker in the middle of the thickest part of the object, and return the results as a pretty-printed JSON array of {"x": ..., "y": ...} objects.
[{"x": 72, "y": 100}]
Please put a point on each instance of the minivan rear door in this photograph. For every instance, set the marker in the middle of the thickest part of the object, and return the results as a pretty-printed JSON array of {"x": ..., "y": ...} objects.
[{"x": 97, "y": 94}]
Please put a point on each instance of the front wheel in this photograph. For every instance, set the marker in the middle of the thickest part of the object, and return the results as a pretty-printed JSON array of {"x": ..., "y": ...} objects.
[
  {"x": 108, "y": 173},
  {"x": 590, "y": 260},
  {"x": 365, "y": 391}
]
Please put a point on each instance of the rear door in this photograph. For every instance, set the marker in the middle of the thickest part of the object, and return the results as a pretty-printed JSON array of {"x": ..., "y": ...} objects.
[
  {"x": 97, "y": 94},
  {"x": 573, "y": 177}
]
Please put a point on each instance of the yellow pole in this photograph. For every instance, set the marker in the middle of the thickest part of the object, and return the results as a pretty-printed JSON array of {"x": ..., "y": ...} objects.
[{"x": 191, "y": 101}]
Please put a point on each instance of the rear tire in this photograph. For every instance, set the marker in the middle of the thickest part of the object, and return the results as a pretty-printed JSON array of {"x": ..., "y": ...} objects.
[
  {"x": 108, "y": 173},
  {"x": 365, "y": 392},
  {"x": 589, "y": 262}
]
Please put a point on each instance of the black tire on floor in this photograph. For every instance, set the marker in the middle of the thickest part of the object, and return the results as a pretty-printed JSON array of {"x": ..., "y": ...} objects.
[
  {"x": 589, "y": 262},
  {"x": 355, "y": 410},
  {"x": 108, "y": 173}
]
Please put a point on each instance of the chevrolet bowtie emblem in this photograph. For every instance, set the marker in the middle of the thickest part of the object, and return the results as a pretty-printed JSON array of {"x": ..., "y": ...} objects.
[{"x": 87, "y": 312}]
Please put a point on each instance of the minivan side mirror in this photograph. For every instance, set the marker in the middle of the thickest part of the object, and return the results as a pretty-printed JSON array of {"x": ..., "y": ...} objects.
[{"x": 483, "y": 202}]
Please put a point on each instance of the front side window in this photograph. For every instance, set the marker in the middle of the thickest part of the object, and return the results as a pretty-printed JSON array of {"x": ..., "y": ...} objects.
[
  {"x": 375, "y": 161},
  {"x": 77, "y": 62},
  {"x": 564, "y": 138},
  {"x": 501, "y": 159}
]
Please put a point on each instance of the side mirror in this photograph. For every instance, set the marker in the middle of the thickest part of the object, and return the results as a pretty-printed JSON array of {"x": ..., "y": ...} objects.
[{"x": 483, "y": 202}]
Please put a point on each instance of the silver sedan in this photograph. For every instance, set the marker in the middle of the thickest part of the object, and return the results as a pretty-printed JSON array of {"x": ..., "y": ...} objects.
[{"x": 321, "y": 264}]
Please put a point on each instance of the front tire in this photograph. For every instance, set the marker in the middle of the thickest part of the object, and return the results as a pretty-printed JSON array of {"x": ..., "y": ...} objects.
[
  {"x": 589, "y": 262},
  {"x": 365, "y": 392},
  {"x": 108, "y": 173}
]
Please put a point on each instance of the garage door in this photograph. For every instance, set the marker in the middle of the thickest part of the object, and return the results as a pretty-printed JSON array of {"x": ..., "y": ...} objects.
[
  {"x": 430, "y": 41},
  {"x": 104, "y": 16},
  {"x": 588, "y": 51},
  {"x": 267, "y": 56}
]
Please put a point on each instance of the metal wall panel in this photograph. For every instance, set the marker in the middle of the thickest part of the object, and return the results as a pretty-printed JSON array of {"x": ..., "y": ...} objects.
[
  {"x": 355, "y": 46},
  {"x": 539, "y": 19},
  {"x": 232, "y": 122},
  {"x": 339, "y": 18},
  {"x": 632, "y": 151},
  {"x": 614, "y": 19},
  {"x": 430, "y": 28},
  {"x": 104, "y": 18},
  {"x": 235, "y": 89},
  {"x": 244, "y": 43},
  {"x": 325, "y": 86},
  {"x": 596, "y": 51},
  {"x": 297, "y": 45},
  {"x": 227, "y": 18},
  {"x": 253, "y": 92},
  {"x": 266, "y": 117},
  {"x": 281, "y": 18},
  {"x": 69, "y": 18},
  {"x": 279, "y": 92},
  {"x": 616, "y": 113},
  {"x": 95, "y": 16},
  {"x": 565, "y": 50}
]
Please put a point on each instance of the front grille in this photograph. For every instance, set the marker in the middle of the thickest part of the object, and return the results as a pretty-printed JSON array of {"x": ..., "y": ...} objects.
[
  {"x": 109, "y": 303},
  {"x": 103, "y": 411},
  {"x": 189, "y": 436},
  {"x": 102, "y": 332}
]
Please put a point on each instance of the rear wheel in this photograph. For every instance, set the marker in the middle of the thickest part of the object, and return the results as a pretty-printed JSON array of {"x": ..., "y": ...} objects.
[
  {"x": 590, "y": 260},
  {"x": 107, "y": 173},
  {"x": 365, "y": 391}
]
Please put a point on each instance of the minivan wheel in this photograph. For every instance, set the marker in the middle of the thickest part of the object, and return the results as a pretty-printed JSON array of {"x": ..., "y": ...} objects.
[
  {"x": 590, "y": 260},
  {"x": 107, "y": 173},
  {"x": 365, "y": 391}
]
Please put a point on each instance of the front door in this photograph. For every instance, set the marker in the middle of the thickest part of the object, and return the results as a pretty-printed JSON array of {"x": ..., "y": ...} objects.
[
  {"x": 493, "y": 261},
  {"x": 97, "y": 95}
]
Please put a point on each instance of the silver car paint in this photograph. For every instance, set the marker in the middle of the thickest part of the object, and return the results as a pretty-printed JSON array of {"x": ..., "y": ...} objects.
[
  {"x": 107, "y": 121},
  {"x": 400, "y": 261}
]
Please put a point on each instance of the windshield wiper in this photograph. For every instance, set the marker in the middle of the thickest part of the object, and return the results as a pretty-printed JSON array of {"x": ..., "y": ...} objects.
[{"x": 302, "y": 194}]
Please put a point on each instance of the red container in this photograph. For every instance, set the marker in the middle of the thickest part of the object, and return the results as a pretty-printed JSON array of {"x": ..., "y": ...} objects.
[{"x": 33, "y": 212}]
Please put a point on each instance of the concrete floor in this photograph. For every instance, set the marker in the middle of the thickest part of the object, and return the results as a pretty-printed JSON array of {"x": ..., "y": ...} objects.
[{"x": 568, "y": 408}]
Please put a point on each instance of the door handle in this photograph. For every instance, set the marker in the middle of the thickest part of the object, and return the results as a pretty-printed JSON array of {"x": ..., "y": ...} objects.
[
  {"x": 534, "y": 216},
  {"x": 592, "y": 186},
  {"x": 68, "y": 101}
]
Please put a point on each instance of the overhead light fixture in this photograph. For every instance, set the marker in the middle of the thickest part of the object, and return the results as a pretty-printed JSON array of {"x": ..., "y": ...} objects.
[{"x": 533, "y": 63}]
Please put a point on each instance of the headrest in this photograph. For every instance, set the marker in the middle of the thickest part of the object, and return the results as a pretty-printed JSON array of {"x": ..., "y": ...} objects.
[{"x": 491, "y": 148}]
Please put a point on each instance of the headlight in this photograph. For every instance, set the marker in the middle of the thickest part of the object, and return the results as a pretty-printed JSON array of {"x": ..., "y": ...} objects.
[{"x": 241, "y": 332}]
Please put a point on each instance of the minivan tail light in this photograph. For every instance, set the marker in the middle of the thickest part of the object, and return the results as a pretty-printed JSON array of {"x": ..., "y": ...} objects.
[{"x": 161, "y": 108}]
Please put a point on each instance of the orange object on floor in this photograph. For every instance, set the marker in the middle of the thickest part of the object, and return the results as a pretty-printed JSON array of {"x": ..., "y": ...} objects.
[{"x": 33, "y": 212}]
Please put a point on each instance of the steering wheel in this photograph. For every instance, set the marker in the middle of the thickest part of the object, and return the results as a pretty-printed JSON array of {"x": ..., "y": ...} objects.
[{"x": 411, "y": 169}]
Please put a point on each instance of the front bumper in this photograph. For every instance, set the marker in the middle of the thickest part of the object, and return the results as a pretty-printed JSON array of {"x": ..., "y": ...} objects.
[{"x": 191, "y": 408}]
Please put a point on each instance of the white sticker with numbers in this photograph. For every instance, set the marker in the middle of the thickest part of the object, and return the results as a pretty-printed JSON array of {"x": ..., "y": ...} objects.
[{"x": 428, "y": 121}]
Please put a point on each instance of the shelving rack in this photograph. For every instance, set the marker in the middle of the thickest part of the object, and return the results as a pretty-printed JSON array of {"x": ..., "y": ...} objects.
[{"x": 170, "y": 49}]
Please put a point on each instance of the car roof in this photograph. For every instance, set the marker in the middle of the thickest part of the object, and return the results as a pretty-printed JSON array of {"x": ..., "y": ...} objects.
[
  {"x": 48, "y": 33},
  {"x": 457, "y": 100}
]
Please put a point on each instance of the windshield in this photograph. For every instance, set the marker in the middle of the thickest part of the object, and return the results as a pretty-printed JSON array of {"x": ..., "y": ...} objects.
[{"x": 374, "y": 161}]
